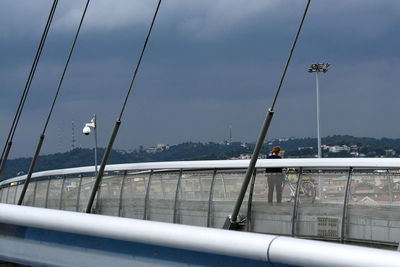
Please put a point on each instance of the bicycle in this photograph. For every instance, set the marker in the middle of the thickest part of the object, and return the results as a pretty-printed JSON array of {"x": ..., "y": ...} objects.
[{"x": 307, "y": 191}]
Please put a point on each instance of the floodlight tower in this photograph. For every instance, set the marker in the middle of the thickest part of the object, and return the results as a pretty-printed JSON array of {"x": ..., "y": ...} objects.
[{"x": 317, "y": 68}]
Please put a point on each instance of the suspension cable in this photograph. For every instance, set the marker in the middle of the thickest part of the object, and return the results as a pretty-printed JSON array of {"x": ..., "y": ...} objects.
[
  {"x": 231, "y": 222},
  {"x": 8, "y": 143},
  {"x": 33, "y": 163},
  {"x": 118, "y": 122}
]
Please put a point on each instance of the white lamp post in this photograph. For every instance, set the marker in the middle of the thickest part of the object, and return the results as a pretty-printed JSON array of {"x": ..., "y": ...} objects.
[
  {"x": 86, "y": 131},
  {"x": 317, "y": 68}
]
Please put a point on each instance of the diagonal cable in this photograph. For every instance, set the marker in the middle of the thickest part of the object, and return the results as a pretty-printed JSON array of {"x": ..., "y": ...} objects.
[
  {"x": 33, "y": 163},
  {"x": 118, "y": 122},
  {"x": 8, "y": 143}
]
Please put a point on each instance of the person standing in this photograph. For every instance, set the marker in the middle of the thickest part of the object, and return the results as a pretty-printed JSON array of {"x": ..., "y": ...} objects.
[{"x": 275, "y": 177}]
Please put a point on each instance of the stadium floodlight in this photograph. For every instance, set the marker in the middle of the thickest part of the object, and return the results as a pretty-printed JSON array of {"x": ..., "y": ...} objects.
[{"x": 317, "y": 68}]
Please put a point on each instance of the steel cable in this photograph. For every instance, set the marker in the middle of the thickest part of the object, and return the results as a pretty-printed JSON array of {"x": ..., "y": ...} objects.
[
  {"x": 118, "y": 122},
  {"x": 8, "y": 143},
  {"x": 41, "y": 139}
]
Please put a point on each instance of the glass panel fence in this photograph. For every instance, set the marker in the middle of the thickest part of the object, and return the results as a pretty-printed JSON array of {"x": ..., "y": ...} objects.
[
  {"x": 274, "y": 218},
  {"x": 70, "y": 193},
  {"x": 374, "y": 207},
  {"x": 225, "y": 193},
  {"x": 193, "y": 197},
  {"x": 54, "y": 194},
  {"x": 4, "y": 194},
  {"x": 162, "y": 196},
  {"x": 133, "y": 195},
  {"x": 29, "y": 194},
  {"x": 84, "y": 194},
  {"x": 321, "y": 217},
  {"x": 11, "y": 194},
  {"x": 41, "y": 192},
  {"x": 110, "y": 195}
]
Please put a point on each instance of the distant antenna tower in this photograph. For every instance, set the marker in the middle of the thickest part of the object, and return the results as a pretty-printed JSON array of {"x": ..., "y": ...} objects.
[
  {"x": 230, "y": 134},
  {"x": 73, "y": 136}
]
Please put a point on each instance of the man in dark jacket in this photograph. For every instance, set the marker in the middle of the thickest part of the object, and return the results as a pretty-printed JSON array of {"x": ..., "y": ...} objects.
[{"x": 275, "y": 177}]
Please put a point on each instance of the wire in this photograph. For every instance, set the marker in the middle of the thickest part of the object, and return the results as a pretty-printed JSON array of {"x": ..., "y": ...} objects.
[
  {"x": 140, "y": 59},
  {"x": 15, "y": 122},
  {"x": 118, "y": 122},
  {"x": 33, "y": 163},
  {"x": 290, "y": 55}
]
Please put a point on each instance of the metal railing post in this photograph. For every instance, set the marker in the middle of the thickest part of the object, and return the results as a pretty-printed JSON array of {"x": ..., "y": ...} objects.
[
  {"x": 390, "y": 186},
  {"x": 174, "y": 219},
  {"x": 210, "y": 198},
  {"x": 47, "y": 192},
  {"x": 62, "y": 192},
  {"x": 15, "y": 195},
  {"x": 34, "y": 193},
  {"x": 8, "y": 191},
  {"x": 146, "y": 199},
  {"x": 121, "y": 193},
  {"x": 79, "y": 192},
  {"x": 296, "y": 199},
  {"x": 346, "y": 199}
]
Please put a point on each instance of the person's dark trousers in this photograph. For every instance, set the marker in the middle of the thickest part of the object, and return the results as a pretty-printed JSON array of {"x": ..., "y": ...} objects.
[{"x": 275, "y": 180}]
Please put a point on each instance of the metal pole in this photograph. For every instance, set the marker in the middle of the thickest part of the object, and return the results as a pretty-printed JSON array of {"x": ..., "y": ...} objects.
[
  {"x": 99, "y": 175},
  {"x": 318, "y": 117},
  {"x": 249, "y": 204},
  {"x": 252, "y": 165},
  {"x": 31, "y": 168},
  {"x": 231, "y": 223}
]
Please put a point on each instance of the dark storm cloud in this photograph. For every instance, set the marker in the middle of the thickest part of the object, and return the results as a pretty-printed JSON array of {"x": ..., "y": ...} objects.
[{"x": 208, "y": 64}]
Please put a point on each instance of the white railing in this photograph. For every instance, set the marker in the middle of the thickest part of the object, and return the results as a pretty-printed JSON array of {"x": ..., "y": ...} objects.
[{"x": 203, "y": 193}]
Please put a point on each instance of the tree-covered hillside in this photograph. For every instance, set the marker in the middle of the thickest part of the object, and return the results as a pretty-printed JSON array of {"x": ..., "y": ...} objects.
[{"x": 334, "y": 146}]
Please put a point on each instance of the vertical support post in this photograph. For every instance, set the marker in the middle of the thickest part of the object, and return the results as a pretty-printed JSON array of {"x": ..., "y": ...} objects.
[
  {"x": 146, "y": 199},
  {"x": 250, "y": 202},
  {"x": 62, "y": 192},
  {"x": 121, "y": 193},
  {"x": 390, "y": 186},
  {"x": 34, "y": 193},
  {"x": 8, "y": 191},
  {"x": 178, "y": 185},
  {"x": 15, "y": 195},
  {"x": 1, "y": 193},
  {"x": 318, "y": 117},
  {"x": 79, "y": 192},
  {"x": 47, "y": 193},
  {"x": 296, "y": 201},
  {"x": 346, "y": 199},
  {"x": 211, "y": 198}
]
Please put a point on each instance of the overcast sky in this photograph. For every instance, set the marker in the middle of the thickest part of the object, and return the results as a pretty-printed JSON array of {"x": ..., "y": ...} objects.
[{"x": 208, "y": 64}]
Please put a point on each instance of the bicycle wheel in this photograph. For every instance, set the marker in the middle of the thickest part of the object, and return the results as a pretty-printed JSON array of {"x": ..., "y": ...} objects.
[{"x": 307, "y": 192}]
